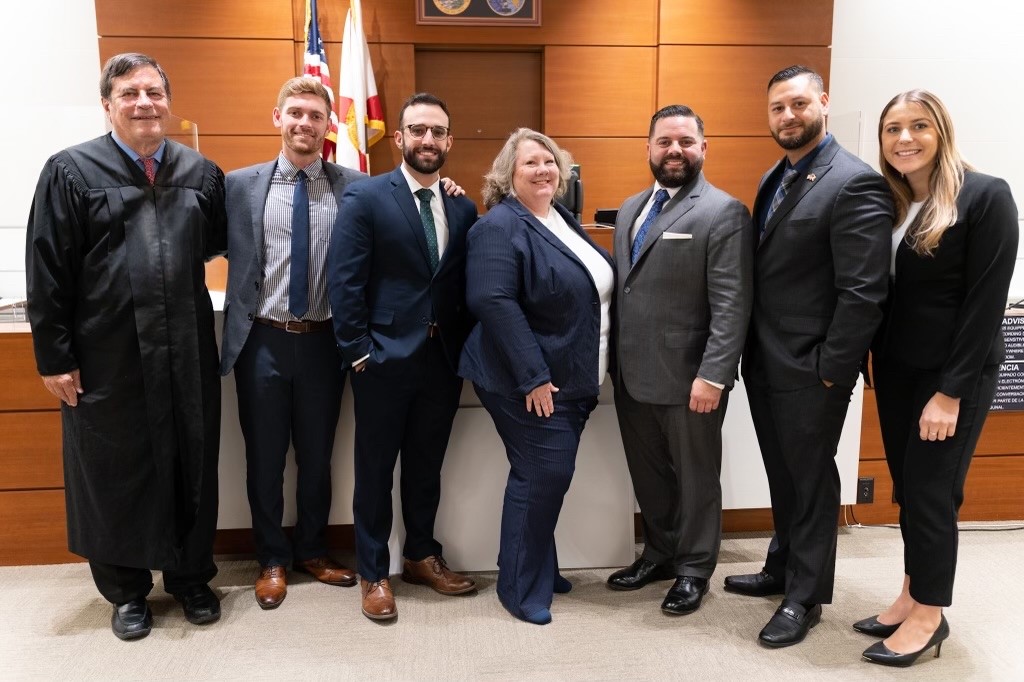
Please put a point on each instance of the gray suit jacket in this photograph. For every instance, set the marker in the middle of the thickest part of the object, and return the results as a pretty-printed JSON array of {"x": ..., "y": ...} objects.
[
  {"x": 682, "y": 310},
  {"x": 246, "y": 198},
  {"x": 821, "y": 274}
]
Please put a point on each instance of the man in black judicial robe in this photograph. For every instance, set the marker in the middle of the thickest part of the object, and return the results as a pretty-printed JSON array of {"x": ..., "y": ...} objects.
[{"x": 122, "y": 326}]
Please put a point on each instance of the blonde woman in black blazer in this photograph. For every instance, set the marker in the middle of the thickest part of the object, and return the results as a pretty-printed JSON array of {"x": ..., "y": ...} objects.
[{"x": 936, "y": 355}]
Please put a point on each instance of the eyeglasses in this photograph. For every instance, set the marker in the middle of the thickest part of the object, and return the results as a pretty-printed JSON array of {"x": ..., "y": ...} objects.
[{"x": 419, "y": 131}]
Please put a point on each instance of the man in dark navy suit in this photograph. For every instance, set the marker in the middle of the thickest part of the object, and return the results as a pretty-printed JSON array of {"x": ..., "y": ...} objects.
[{"x": 397, "y": 291}]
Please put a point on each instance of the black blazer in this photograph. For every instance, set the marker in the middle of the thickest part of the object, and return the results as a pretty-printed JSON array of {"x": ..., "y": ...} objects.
[
  {"x": 945, "y": 311},
  {"x": 538, "y": 309},
  {"x": 383, "y": 294},
  {"x": 819, "y": 274}
]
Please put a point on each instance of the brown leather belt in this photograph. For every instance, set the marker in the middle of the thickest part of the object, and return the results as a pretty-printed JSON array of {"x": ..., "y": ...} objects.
[
  {"x": 433, "y": 330},
  {"x": 295, "y": 326}
]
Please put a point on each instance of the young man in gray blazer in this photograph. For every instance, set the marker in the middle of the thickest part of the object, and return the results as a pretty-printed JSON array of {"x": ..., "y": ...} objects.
[
  {"x": 278, "y": 336},
  {"x": 683, "y": 259},
  {"x": 820, "y": 277}
]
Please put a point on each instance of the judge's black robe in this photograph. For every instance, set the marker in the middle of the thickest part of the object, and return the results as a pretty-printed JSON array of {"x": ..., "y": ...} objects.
[{"x": 116, "y": 289}]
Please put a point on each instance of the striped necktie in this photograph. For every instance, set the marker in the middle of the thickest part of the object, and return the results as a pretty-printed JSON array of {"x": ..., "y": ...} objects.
[{"x": 659, "y": 201}]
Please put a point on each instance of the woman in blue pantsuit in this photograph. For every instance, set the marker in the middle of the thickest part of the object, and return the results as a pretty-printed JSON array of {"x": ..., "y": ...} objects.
[{"x": 541, "y": 291}]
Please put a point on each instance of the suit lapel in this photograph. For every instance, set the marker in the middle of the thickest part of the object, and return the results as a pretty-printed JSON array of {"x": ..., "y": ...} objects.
[
  {"x": 259, "y": 189},
  {"x": 407, "y": 203},
  {"x": 675, "y": 208},
  {"x": 624, "y": 226},
  {"x": 801, "y": 187}
]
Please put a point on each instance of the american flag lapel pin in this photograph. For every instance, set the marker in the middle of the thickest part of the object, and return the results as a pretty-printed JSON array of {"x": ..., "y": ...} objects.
[{"x": 812, "y": 177}]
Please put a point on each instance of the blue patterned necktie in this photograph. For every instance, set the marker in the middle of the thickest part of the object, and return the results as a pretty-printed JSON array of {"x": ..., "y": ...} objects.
[
  {"x": 298, "y": 286},
  {"x": 659, "y": 200},
  {"x": 788, "y": 178},
  {"x": 429, "y": 230}
]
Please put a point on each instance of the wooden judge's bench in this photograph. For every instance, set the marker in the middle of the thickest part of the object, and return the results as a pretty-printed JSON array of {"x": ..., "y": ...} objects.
[{"x": 32, "y": 512}]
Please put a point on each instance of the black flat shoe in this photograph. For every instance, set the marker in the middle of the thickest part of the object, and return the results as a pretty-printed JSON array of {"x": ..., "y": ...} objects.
[
  {"x": 790, "y": 624},
  {"x": 871, "y": 626},
  {"x": 131, "y": 620},
  {"x": 200, "y": 604},
  {"x": 761, "y": 584},
  {"x": 641, "y": 572},
  {"x": 685, "y": 596},
  {"x": 881, "y": 654}
]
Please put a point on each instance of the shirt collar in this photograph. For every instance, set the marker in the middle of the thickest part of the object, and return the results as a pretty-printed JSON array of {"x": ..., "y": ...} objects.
[
  {"x": 157, "y": 156},
  {"x": 805, "y": 163},
  {"x": 289, "y": 170},
  {"x": 415, "y": 185}
]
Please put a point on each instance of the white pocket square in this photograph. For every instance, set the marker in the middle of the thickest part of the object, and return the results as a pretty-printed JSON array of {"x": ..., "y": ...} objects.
[{"x": 676, "y": 235}]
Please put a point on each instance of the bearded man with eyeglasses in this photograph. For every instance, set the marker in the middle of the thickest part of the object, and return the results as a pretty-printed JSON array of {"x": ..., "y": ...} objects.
[{"x": 397, "y": 290}]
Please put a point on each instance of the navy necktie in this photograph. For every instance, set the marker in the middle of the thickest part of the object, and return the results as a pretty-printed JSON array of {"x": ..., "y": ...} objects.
[
  {"x": 659, "y": 200},
  {"x": 429, "y": 230},
  {"x": 788, "y": 178},
  {"x": 298, "y": 286}
]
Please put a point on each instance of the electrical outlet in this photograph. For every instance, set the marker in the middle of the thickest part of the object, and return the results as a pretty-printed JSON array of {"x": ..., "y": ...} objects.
[{"x": 865, "y": 490}]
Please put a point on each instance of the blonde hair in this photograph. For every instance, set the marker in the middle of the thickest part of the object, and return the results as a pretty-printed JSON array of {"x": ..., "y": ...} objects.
[
  {"x": 304, "y": 85},
  {"x": 939, "y": 212},
  {"x": 498, "y": 181}
]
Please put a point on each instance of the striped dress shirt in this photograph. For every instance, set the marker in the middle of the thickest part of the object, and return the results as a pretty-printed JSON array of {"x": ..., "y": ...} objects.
[{"x": 277, "y": 241}]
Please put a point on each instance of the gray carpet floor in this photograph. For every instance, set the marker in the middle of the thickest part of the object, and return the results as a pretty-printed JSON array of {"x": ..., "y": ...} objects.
[{"x": 56, "y": 627}]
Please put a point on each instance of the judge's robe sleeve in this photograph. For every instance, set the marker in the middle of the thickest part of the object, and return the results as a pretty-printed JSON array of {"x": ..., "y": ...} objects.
[{"x": 53, "y": 259}]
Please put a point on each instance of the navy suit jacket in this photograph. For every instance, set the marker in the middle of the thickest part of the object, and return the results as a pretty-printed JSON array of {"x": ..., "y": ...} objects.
[
  {"x": 538, "y": 309},
  {"x": 383, "y": 294},
  {"x": 246, "y": 198}
]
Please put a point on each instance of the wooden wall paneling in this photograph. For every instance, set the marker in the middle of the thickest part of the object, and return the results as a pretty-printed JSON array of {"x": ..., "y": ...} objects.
[
  {"x": 611, "y": 169},
  {"x": 34, "y": 530},
  {"x": 223, "y": 85},
  {"x": 746, "y": 22},
  {"x": 394, "y": 67},
  {"x": 736, "y": 164},
  {"x": 991, "y": 493},
  {"x": 599, "y": 91},
  {"x": 22, "y": 387},
  {"x": 596, "y": 22},
  {"x": 494, "y": 93},
  {"x": 31, "y": 450},
  {"x": 232, "y": 152},
  {"x": 194, "y": 19},
  {"x": 727, "y": 86}
]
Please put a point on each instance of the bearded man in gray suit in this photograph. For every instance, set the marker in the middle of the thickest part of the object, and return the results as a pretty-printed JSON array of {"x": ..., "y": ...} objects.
[{"x": 683, "y": 260}]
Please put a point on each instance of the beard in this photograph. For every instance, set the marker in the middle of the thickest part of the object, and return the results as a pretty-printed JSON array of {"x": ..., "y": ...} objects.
[
  {"x": 421, "y": 165},
  {"x": 676, "y": 177},
  {"x": 811, "y": 130}
]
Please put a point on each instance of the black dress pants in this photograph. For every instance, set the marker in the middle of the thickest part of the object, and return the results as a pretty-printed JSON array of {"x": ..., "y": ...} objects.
[
  {"x": 798, "y": 432},
  {"x": 928, "y": 476}
]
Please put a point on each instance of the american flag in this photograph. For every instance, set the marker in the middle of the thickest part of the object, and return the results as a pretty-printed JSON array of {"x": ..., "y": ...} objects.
[{"x": 314, "y": 65}]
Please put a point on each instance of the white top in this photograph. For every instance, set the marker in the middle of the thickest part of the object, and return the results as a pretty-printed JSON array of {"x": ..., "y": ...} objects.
[
  {"x": 899, "y": 232},
  {"x": 600, "y": 271}
]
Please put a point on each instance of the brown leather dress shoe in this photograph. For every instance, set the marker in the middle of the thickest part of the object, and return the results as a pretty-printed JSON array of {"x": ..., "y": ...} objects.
[
  {"x": 378, "y": 600},
  {"x": 327, "y": 570},
  {"x": 271, "y": 587},
  {"x": 434, "y": 572}
]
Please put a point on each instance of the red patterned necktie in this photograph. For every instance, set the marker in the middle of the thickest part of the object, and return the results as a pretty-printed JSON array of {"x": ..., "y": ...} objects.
[{"x": 149, "y": 166}]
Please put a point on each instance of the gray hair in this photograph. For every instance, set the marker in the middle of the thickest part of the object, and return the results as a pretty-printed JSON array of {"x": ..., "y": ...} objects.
[
  {"x": 125, "y": 63},
  {"x": 498, "y": 181}
]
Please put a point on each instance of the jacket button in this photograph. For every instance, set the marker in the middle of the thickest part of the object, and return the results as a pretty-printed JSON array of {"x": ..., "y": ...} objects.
[
  {"x": 251, "y": 316},
  {"x": 423, "y": 320},
  {"x": 256, "y": 284},
  {"x": 625, "y": 290}
]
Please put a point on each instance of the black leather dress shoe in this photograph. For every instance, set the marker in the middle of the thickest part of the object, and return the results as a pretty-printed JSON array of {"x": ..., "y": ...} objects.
[
  {"x": 641, "y": 572},
  {"x": 761, "y": 584},
  {"x": 790, "y": 624},
  {"x": 871, "y": 626},
  {"x": 685, "y": 596},
  {"x": 200, "y": 604},
  {"x": 131, "y": 620}
]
